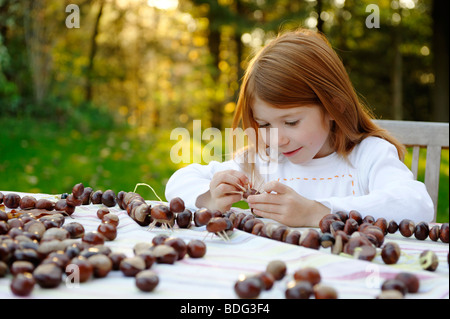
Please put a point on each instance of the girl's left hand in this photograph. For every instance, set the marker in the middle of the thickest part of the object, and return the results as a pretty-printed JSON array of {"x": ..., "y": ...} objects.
[{"x": 285, "y": 205}]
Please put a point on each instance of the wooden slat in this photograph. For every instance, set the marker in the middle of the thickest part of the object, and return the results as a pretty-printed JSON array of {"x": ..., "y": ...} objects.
[{"x": 431, "y": 135}]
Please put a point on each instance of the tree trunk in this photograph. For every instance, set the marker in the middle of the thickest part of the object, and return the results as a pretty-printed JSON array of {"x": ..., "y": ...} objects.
[
  {"x": 397, "y": 73},
  {"x": 92, "y": 52},
  {"x": 440, "y": 62}
]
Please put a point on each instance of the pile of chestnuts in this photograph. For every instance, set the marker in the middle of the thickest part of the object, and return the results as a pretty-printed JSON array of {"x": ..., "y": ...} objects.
[
  {"x": 305, "y": 284},
  {"x": 38, "y": 248}
]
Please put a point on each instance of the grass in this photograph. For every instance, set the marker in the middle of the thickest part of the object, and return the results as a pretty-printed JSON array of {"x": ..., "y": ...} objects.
[{"x": 47, "y": 157}]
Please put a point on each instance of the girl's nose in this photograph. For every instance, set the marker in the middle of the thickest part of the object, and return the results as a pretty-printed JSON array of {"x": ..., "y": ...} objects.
[{"x": 282, "y": 138}]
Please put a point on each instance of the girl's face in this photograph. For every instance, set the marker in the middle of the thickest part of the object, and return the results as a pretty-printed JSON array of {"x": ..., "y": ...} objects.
[{"x": 303, "y": 132}]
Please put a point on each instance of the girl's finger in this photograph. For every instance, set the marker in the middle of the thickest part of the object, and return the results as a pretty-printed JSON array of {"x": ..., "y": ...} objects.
[
  {"x": 265, "y": 198},
  {"x": 272, "y": 209},
  {"x": 231, "y": 177},
  {"x": 277, "y": 187}
]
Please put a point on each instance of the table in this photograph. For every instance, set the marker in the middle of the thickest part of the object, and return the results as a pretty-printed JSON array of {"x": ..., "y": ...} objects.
[{"x": 214, "y": 275}]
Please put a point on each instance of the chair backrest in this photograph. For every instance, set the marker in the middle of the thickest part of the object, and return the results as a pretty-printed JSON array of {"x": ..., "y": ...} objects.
[{"x": 430, "y": 135}]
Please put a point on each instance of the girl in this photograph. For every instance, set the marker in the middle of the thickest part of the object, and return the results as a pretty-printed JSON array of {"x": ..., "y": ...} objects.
[{"x": 332, "y": 157}]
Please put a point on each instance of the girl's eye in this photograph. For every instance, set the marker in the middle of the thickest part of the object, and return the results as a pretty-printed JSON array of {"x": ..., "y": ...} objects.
[
  {"x": 292, "y": 123},
  {"x": 263, "y": 125}
]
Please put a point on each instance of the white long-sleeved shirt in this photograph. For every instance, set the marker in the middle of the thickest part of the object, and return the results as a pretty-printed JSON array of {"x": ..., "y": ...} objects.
[{"x": 372, "y": 181}]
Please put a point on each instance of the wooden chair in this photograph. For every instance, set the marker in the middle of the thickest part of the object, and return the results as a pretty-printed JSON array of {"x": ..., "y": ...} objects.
[{"x": 430, "y": 135}]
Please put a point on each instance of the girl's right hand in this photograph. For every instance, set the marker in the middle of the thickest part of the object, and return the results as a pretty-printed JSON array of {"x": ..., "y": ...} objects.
[{"x": 222, "y": 191}]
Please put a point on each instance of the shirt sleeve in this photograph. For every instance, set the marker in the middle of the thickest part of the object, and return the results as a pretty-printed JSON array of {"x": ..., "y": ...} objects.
[
  {"x": 391, "y": 191},
  {"x": 193, "y": 180}
]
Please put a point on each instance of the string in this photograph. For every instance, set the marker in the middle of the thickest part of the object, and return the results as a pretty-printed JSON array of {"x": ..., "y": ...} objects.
[{"x": 144, "y": 184}]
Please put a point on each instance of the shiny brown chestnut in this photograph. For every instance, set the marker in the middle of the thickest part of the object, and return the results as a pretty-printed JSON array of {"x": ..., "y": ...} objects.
[
  {"x": 48, "y": 275},
  {"x": 11, "y": 200},
  {"x": 111, "y": 218},
  {"x": 350, "y": 226},
  {"x": 382, "y": 224},
  {"x": 108, "y": 230},
  {"x": 421, "y": 231},
  {"x": 79, "y": 269},
  {"x": 93, "y": 238},
  {"x": 184, "y": 219},
  {"x": 411, "y": 281},
  {"x": 392, "y": 227},
  {"x": 102, "y": 211},
  {"x": 435, "y": 233},
  {"x": 394, "y": 284},
  {"x": 75, "y": 229},
  {"x": 165, "y": 254},
  {"x": 27, "y": 202},
  {"x": 322, "y": 291},
  {"x": 407, "y": 227},
  {"x": 443, "y": 235},
  {"x": 326, "y": 222},
  {"x": 109, "y": 198},
  {"x": 131, "y": 266},
  {"x": 78, "y": 190},
  {"x": 196, "y": 248},
  {"x": 176, "y": 205},
  {"x": 96, "y": 197},
  {"x": 390, "y": 253},
  {"x": 249, "y": 287},
  {"x": 277, "y": 268},
  {"x": 356, "y": 216},
  {"x": 299, "y": 290},
  {"x": 101, "y": 264},
  {"x": 310, "y": 274},
  {"x": 22, "y": 284},
  {"x": 179, "y": 245},
  {"x": 146, "y": 280},
  {"x": 310, "y": 238},
  {"x": 202, "y": 217}
]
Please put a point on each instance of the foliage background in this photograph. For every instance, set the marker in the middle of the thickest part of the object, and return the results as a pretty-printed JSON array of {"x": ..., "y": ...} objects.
[{"x": 96, "y": 104}]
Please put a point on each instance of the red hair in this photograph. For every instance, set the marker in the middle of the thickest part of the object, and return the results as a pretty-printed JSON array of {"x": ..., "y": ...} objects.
[{"x": 300, "y": 68}]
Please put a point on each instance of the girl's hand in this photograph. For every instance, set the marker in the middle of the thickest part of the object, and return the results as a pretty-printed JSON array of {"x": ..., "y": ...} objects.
[
  {"x": 220, "y": 195},
  {"x": 285, "y": 205}
]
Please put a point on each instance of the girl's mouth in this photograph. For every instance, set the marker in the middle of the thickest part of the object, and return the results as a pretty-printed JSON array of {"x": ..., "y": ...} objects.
[{"x": 289, "y": 154}]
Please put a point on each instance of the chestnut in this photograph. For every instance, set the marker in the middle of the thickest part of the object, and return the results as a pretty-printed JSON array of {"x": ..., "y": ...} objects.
[
  {"x": 393, "y": 284},
  {"x": 93, "y": 238},
  {"x": 435, "y": 232},
  {"x": 327, "y": 240},
  {"x": 22, "y": 284},
  {"x": 73, "y": 201},
  {"x": 292, "y": 236},
  {"x": 368, "y": 219},
  {"x": 390, "y": 253},
  {"x": 45, "y": 204},
  {"x": 202, "y": 217},
  {"x": 421, "y": 231},
  {"x": 392, "y": 227},
  {"x": 108, "y": 230},
  {"x": 184, "y": 219},
  {"x": 48, "y": 275},
  {"x": 86, "y": 197},
  {"x": 11, "y": 200},
  {"x": 390, "y": 294},
  {"x": 158, "y": 239},
  {"x": 322, "y": 291},
  {"x": 310, "y": 238},
  {"x": 277, "y": 268},
  {"x": 382, "y": 224},
  {"x": 146, "y": 280},
  {"x": 3, "y": 268},
  {"x": 249, "y": 287},
  {"x": 21, "y": 266},
  {"x": 299, "y": 290},
  {"x": 356, "y": 216},
  {"x": 131, "y": 266},
  {"x": 75, "y": 229},
  {"x": 407, "y": 227},
  {"x": 102, "y": 211},
  {"x": 350, "y": 226},
  {"x": 101, "y": 264},
  {"x": 196, "y": 248},
  {"x": 80, "y": 269},
  {"x": 267, "y": 280},
  {"x": 111, "y": 218},
  {"x": 96, "y": 197},
  {"x": 116, "y": 258},
  {"x": 310, "y": 274},
  {"x": 326, "y": 222},
  {"x": 335, "y": 226},
  {"x": 148, "y": 257},
  {"x": 109, "y": 198},
  {"x": 78, "y": 190},
  {"x": 27, "y": 202},
  {"x": 428, "y": 260},
  {"x": 179, "y": 245},
  {"x": 444, "y": 233},
  {"x": 410, "y": 280},
  {"x": 165, "y": 254},
  {"x": 176, "y": 205}
]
